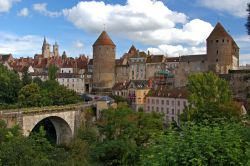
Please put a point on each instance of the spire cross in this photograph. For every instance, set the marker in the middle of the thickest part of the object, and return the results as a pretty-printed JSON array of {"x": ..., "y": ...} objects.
[{"x": 104, "y": 27}]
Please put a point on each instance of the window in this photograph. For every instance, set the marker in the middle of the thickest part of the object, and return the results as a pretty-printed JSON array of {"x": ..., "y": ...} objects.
[
  {"x": 157, "y": 109},
  {"x": 148, "y": 108},
  {"x": 162, "y": 109},
  {"x": 162, "y": 102},
  {"x": 172, "y": 119},
  {"x": 178, "y": 111},
  {"x": 68, "y": 80},
  {"x": 217, "y": 60},
  {"x": 172, "y": 111},
  {"x": 178, "y": 103},
  {"x": 217, "y": 52},
  {"x": 167, "y": 102},
  {"x": 217, "y": 41},
  {"x": 184, "y": 103},
  {"x": 157, "y": 101},
  {"x": 223, "y": 40},
  {"x": 173, "y": 103},
  {"x": 153, "y": 101},
  {"x": 153, "y": 109},
  {"x": 167, "y": 111}
]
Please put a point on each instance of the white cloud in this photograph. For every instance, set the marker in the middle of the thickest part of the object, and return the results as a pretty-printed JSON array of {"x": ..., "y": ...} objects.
[
  {"x": 27, "y": 45},
  {"x": 6, "y": 5},
  {"x": 176, "y": 50},
  {"x": 233, "y": 7},
  {"x": 149, "y": 22},
  {"x": 42, "y": 8},
  {"x": 23, "y": 12},
  {"x": 78, "y": 44}
]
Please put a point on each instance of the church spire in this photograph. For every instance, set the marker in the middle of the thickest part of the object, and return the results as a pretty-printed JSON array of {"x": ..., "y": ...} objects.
[{"x": 44, "y": 41}]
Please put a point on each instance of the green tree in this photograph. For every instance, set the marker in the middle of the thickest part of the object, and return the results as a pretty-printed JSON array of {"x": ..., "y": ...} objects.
[
  {"x": 200, "y": 145},
  {"x": 248, "y": 19},
  {"x": 52, "y": 70},
  {"x": 10, "y": 84},
  {"x": 26, "y": 78},
  {"x": 30, "y": 95},
  {"x": 209, "y": 99},
  {"x": 123, "y": 134},
  {"x": 38, "y": 81}
]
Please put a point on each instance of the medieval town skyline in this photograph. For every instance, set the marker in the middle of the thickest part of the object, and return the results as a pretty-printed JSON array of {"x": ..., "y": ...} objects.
[{"x": 172, "y": 29}]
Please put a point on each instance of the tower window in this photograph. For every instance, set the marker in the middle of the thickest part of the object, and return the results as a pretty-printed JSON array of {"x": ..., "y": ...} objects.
[
  {"x": 217, "y": 41},
  {"x": 217, "y": 60},
  {"x": 217, "y": 52}
]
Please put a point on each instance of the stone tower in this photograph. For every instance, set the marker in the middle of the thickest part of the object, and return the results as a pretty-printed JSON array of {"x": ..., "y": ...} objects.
[
  {"x": 222, "y": 51},
  {"x": 45, "y": 49},
  {"x": 103, "y": 64},
  {"x": 56, "y": 50}
]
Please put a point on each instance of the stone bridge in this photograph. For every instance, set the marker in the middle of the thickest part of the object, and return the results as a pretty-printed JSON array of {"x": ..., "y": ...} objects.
[{"x": 64, "y": 119}]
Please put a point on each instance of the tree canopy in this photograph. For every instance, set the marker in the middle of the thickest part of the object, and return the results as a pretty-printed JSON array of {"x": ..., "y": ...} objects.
[{"x": 209, "y": 99}]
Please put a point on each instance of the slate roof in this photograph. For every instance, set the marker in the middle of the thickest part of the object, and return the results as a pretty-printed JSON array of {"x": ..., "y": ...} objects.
[
  {"x": 155, "y": 59},
  {"x": 169, "y": 93},
  {"x": 193, "y": 58}
]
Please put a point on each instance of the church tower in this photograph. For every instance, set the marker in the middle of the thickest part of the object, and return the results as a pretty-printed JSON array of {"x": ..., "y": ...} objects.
[
  {"x": 56, "y": 50},
  {"x": 45, "y": 49},
  {"x": 103, "y": 64},
  {"x": 222, "y": 51}
]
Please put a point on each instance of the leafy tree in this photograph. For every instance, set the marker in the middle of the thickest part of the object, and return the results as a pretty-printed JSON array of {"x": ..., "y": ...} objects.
[
  {"x": 38, "y": 81},
  {"x": 209, "y": 99},
  {"x": 52, "y": 70},
  {"x": 26, "y": 78},
  {"x": 123, "y": 134},
  {"x": 199, "y": 145},
  {"x": 248, "y": 19},
  {"x": 10, "y": 84},
  {"x": 30, "y": 95}
]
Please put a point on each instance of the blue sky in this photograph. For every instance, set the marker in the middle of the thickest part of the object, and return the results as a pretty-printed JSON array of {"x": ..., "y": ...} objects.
[{"x": 170, "y": 27}]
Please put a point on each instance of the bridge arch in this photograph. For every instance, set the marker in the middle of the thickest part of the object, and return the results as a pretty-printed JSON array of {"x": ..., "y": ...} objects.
[
  {"x": 63, "y": 123},
  {"x": 60, "y": 128}
]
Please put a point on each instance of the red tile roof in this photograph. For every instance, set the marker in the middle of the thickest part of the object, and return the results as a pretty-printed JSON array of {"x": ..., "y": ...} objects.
[{"x": 104, "y": 39}]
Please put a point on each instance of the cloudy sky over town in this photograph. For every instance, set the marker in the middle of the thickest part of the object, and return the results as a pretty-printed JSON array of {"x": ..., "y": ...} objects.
[{"x": 170, "y": 27}]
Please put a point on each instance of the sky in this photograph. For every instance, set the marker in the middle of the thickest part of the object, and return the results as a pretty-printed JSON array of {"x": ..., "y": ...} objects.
[{"x": 169, "y": 27}]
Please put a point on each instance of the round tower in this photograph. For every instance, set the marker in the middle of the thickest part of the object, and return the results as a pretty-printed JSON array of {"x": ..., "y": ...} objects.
[
  {"x": 103, "y": 64},
  {"x": 222, "y": 51}
]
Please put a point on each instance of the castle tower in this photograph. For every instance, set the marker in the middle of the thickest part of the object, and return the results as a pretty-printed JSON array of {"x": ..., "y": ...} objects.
[
  {"x": 103, "y": 64},
  {"x": 222, "y": 51},
  {"x": 56, "y": 49},
  {"x": 45, "y": 49}
]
